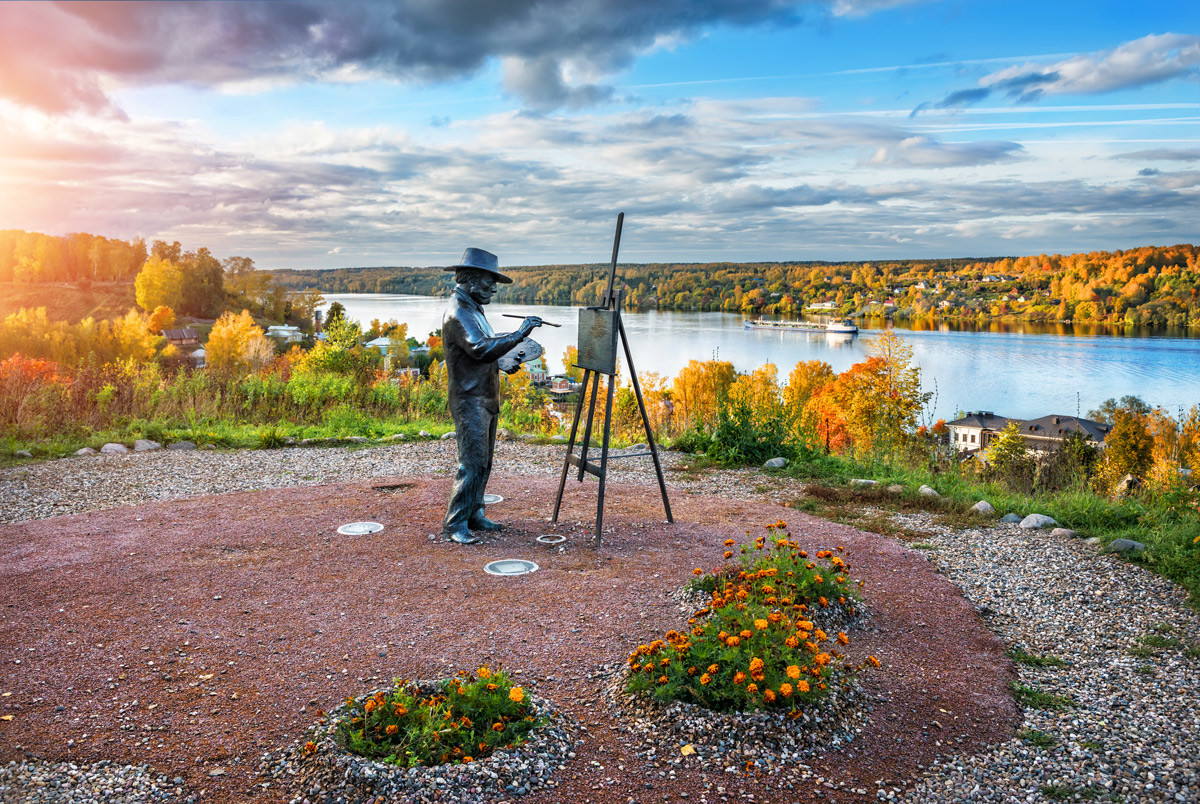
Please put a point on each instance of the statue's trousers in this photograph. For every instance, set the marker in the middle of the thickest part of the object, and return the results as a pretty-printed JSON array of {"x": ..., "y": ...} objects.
[{"x": 475, "y": 431}]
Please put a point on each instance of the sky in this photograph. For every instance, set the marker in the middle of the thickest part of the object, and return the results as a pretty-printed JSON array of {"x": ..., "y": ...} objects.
[{"x": 307, "y": 134}]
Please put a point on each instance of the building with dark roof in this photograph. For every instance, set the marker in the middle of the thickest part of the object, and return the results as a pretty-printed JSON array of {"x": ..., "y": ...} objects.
[
  {"x": 181, "y": 337},
  {"x": 976, "y": 431}
]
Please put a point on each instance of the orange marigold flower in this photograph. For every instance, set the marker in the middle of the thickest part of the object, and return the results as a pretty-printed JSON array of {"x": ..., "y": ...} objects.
[
  {"x": 516, "y": 695},
  {"x": 804, "y": 625},
  {"x": 697, "y": 571},
  {"x": 729, "y": 542},
  {"x": 705, "y": 680},
  {"x": 842, "y": 638},
  {"x": 755, "y": 664},
  {"x": 693, "y": 670},
  {"x": 733, "y": 641},
  {"x": 793, "y": 672},
  {"x": 822, "y": 659},
  {"x": 484, "y": 673},
  {"x": 873, "y": 661},
  {"x": 801, "y": 686},
  {"x": 820, "y": 635},
  {"x": 769, "y": 696},
  {"x": 665, "y": 662},
  {"x": 739, "y": 677},
  {"x": 767, "y": 588},
  {"x": 662, "y": 679},
  {"x": 728, "y": 554},
  {"x": 467, "y": 759},
  {"x": 712, "y": 668},
  {"x": 752, "y": 688},
  {"x": 775, "y": 616},
  {"x": 400, "y": 711},
  {"x": 310, "y": 747},
  {"x": 761, "y": 624},
  {"x": 818, "y": 579},
  {"x": 785, "y": 689},
  {"x": 842, "y": 600},
  {"x": 497, "y": 726},
  {"x": 746, "y": 634},
  {"x": 492, "y": 688},
  {"x": 791, "y": 641},
  {"x": 392, "y": 728},
  {"x": 369, "y": 705},
  {"x": 824, "y": 603},
  {"x": 698, "y": 630}
]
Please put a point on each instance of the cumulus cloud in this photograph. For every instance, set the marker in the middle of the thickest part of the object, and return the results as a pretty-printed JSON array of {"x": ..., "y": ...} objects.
[
  {"x": 63, "y": 56},
  {"x": 1149, "y": 60}
]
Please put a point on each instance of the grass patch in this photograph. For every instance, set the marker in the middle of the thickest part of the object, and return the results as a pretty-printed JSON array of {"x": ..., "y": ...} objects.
[
  {"x": 1065, "y": 792},
  {"x": 1193, "y": 651},
  {"x": 1157, "y": 641},
  {"x": 1034, "y": 698},
  {"x": 1038, "y": 739},
  {"x": 923, "y": 546},
  {"x": 1019, "y": 656},
  {"x": 1091, "y": 745}
]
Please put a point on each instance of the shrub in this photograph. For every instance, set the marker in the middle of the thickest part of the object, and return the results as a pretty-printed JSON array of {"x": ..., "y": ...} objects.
[
  {"x": 758, "y": 644},
  {"x": 461, "y": 719}
]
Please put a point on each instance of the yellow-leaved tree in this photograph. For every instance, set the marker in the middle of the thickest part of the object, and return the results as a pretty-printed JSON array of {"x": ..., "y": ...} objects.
[
  {"x": 236, "y": 342},
  {"x": 162, "y": 318},
  {"x": 160, "y": 282}
]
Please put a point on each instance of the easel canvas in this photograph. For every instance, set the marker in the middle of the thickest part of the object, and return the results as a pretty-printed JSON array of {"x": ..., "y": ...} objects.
[{"x": 600, "y": 328}]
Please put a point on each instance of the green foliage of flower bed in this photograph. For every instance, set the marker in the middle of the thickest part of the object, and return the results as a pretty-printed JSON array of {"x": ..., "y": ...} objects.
[
  {"x": 466, "y": 718},
  {"x": 759, "y": 643}
]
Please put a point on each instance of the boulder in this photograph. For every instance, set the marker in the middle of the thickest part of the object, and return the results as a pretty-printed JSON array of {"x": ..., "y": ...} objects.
[
  {"x": 1036, "y": 521},
  {"x": 1010, "y": 518},
  {"x": 287, "y": 441},
  {"x": 114, "y": 447},
  {"x": 448, "y": 436},
  {"x": 358, "y": 440},
  {"x": 527, "y": 437},
  {"x": 896, "y": 488},
  {"x": 22, "y": 453},
  {"x": 309, "y": 442},
  {"x": 1065, "y": 533},
  {"x": 860, "y": 482},
  {"x": 1125, "y": 546},
  {"x": 643, "y": 448},
  {"x": 397, "y": 437},
  {"x": 209, "y": 445},
  {"x": 775, "y": 463},
  {"x": 424, "y": 434},
  {"x": 503, "y": 434},
  {"x": 928, "y": 491},
  {"x": 559, "y": 438},
  {"x": 983, "y": 507},
  {"x": 145, "y": 445},
  {"x": 182, "y": 446},
  {"x": 1127, "y": 484},
  {"x": 85, "y": 451}
]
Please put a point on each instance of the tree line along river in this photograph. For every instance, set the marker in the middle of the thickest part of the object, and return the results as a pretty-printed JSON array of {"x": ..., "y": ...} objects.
[{"x": 1018, "y": 370}]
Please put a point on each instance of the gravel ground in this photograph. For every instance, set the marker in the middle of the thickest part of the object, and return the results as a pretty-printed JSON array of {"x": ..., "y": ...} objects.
[{"x": 1130, "y": 733}]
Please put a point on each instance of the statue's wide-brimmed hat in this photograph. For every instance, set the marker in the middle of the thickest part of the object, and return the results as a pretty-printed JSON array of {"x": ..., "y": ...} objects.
[{"x": 483, "y": 261}]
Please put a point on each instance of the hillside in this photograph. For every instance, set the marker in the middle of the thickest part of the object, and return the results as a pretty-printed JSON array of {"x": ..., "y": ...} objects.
[{"x": 67, "y": 302}]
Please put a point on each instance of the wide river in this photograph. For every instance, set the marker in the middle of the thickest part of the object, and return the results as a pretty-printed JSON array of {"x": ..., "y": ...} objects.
[{"x": 1021, "y": 371}]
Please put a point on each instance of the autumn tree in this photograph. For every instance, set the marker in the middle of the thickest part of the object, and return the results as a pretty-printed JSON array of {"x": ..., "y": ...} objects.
[
  {"x": 160, "y": 282},
  {"x": 235, "y": 343},
  {"x": 1009, "y": 458},
  {"x": 697, "y": 389},
  {"x": 161, "y": 319},
  {"x": 1128, "y": 448}
]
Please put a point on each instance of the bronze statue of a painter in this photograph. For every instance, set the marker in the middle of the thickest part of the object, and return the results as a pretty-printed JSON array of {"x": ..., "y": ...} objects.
[{"x": 472, "y": 352}]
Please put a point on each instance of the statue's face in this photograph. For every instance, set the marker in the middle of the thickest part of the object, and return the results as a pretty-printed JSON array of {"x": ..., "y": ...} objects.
[{"x": 481, "y": 287}]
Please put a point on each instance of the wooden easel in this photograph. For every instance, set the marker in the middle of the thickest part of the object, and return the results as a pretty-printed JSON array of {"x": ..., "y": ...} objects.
[{"x": 598, "y": 358}]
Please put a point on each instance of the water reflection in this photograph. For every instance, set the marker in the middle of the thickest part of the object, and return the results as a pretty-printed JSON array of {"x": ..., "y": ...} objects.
[{"x": 1021, "y": 369}]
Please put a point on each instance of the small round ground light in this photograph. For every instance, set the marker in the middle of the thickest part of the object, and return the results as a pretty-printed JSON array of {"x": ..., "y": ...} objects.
[
  {"x": 492, "y": 499},
  {"x": 360, "y": 528},
  {"x": 510, "y": 566},
  {"x": 551, "y": 538}
]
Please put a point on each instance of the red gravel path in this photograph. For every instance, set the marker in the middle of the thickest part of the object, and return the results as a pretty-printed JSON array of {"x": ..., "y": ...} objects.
[{"x": 219, "y": 625}]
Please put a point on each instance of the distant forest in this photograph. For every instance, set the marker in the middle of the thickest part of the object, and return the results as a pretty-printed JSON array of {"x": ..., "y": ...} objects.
[{"x": 1152, "y": 285}]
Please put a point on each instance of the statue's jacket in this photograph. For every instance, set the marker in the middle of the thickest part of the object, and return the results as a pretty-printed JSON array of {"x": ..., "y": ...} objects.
[{"x": 472, "y": 349}]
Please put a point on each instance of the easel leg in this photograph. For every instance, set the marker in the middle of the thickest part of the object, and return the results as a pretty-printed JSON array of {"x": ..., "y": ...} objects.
[
  {"x": 587, "y": 430},
  {"x": 604, "y": 456},
  {"x": 637, "y": 391},
  {"x": 562, "y": 481}
]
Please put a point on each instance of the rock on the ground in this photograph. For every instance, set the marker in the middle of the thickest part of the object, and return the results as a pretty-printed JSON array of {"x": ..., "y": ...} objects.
[
  {"x": 858, "y": 481},
  {"x": 358, "y": 440},
  {"x": 983, "y": 507},
  {"x": 1036, "y": 521},
  {"x": 114, "y": 447},
  {"x": 1126, "y": 485},
  {"x": 425, "y": 434},
  {"x": 1125, "y": 546},
  {"x": 559, "y": 438},
  {"x": 209, "y": 445},
  {"x": 1008, "y": 519},
  {"x": 775, "y": 463},
  {"x": 185, "y": 446},
  {"x": 448, "y": 436},
  {"x": 23, "y": 453},
  {"x": 145, "y": 445},
  {"x": 928, "y": 491},
  {"x": 287, "y": 441},
  {"x": 896, "y": 488},
  {"x": 1065, "y": 533},
  {"x": 503, "y": 434},
  {"x": 85, "y": 451},
  {"x": 396, "y": 437}
]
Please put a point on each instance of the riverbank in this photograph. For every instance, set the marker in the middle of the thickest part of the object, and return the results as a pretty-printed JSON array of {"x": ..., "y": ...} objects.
[{"x": 218, "y": 534}]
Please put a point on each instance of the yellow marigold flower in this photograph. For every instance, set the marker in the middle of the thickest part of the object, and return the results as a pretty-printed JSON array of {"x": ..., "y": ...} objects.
[
  {"x": 644, "y": 650},
  {"x": 801, "y": 686},
  {"x": 752, "y": 688},
  {"x": 665, "y": 662},
  {"x": 793, "y": 672},
  {"x": 705, "y": 680},
  {"x": 755, "y": 664},
  {"x": 733, "y": 641},
  {"x": 842, "y": 638},
  {"x": 785, "y": 689},
  {"x": 772, "y": 600},
  {"x": 484, "y": 673},
  {"x": 769, "y": 696},
  {"x": 761, "y": 624},
  {"x": 392, "y": 729},
  {"x": 739, "y": 677},
  {"x": 804, "y": 625},
  {"x": 516, "y": 695}
]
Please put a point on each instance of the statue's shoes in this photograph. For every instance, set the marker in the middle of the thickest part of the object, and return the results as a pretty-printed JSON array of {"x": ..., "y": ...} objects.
[
  {"x": 483, "y": 523},
  {"x": 461, "y": 536}
]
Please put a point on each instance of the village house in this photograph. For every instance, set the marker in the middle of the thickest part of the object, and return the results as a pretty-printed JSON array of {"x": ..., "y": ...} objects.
[
  {"x": 180, "y": 338},
  {"x": 537, "y": 371},
  {"x": 286, "y": 333},
  {"x": 976, "y": 431}
]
